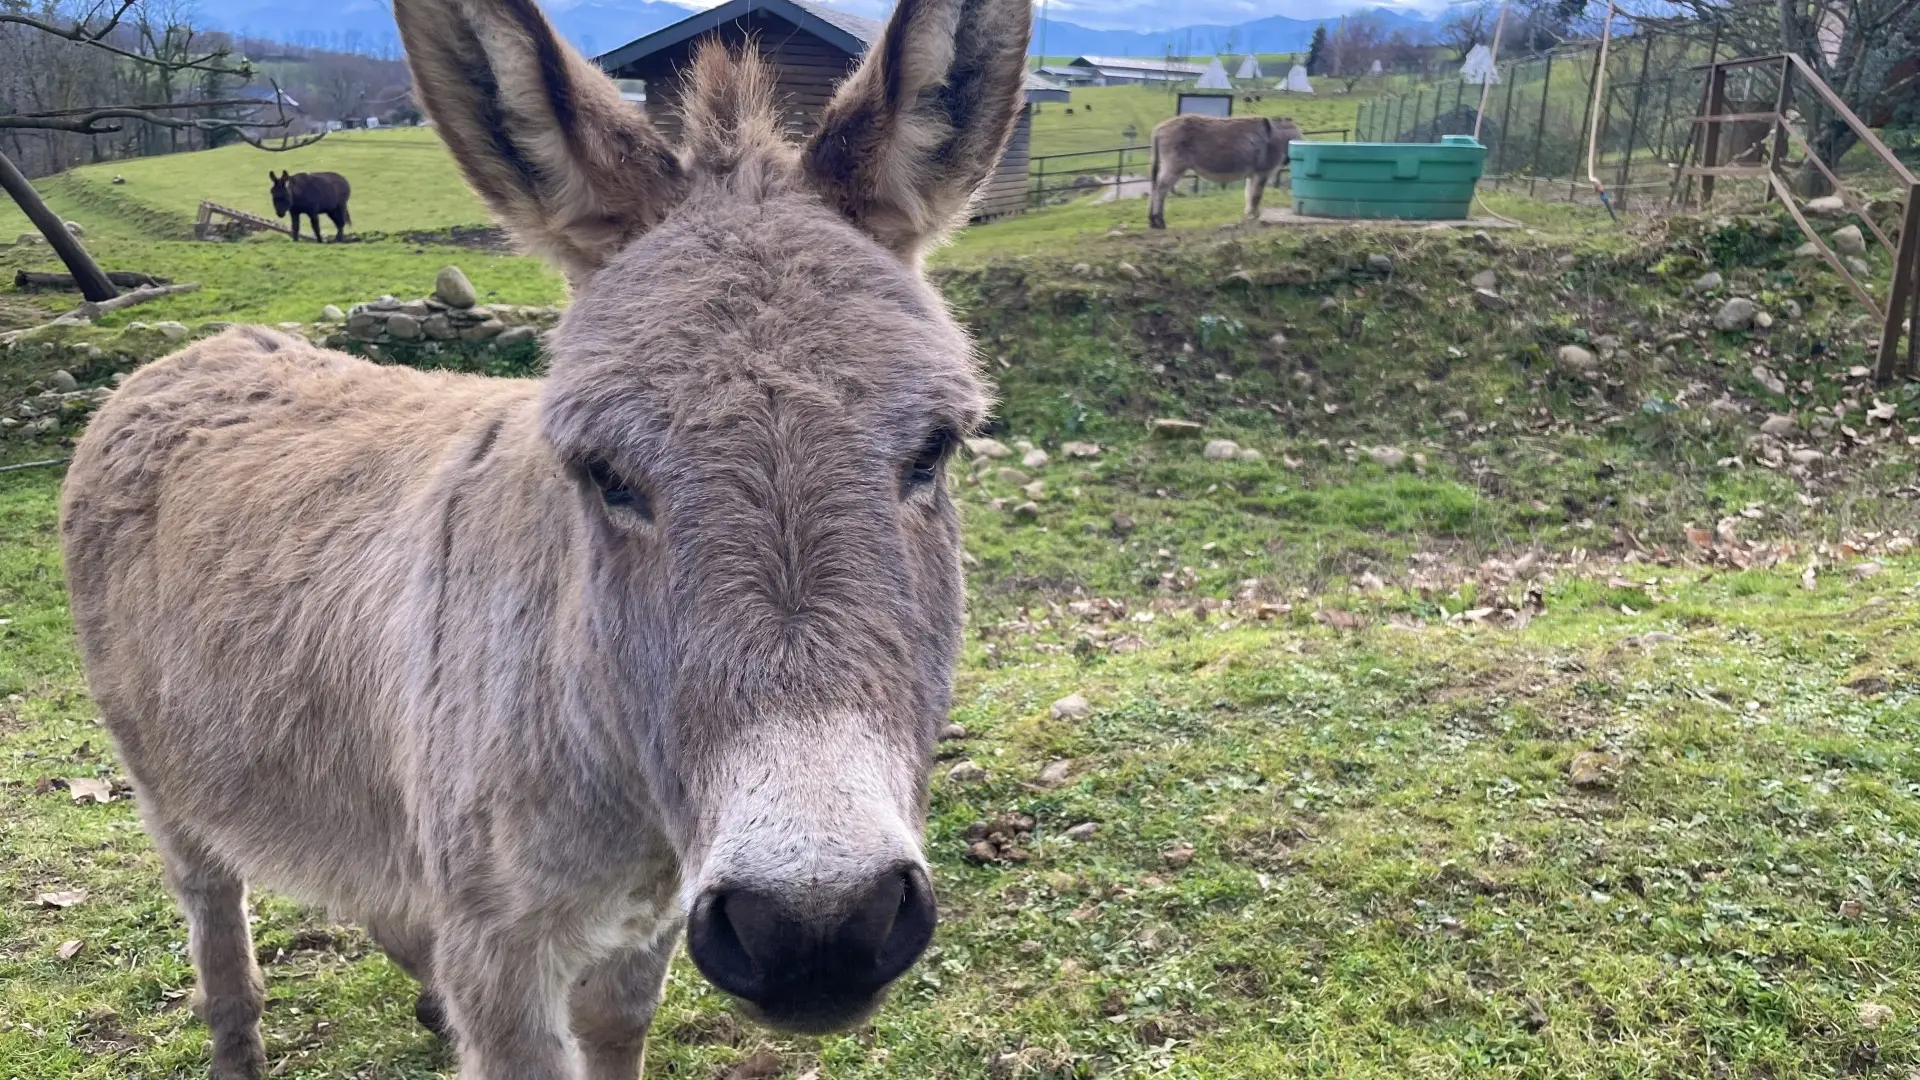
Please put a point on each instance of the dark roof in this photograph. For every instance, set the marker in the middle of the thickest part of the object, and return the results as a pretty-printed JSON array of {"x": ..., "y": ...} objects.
[{"x": 849, "y": 33}]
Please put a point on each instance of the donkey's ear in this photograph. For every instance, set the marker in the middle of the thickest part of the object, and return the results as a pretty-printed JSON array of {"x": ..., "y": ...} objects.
[
  {"x": 910, "y": 135},
  {"x": 545, "y": 138}
]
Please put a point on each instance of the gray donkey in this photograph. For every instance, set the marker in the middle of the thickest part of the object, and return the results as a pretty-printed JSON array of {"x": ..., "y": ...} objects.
[
  {"x": 1221, "y": 149},
  {"x": 526, "y": 676}
]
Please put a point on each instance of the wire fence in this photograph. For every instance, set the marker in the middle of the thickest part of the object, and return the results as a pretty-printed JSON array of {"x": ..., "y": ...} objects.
[{"x": 1537, "y": 116}]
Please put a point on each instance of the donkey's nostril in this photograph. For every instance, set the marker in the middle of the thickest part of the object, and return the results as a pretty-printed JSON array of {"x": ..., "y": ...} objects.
[{"x": 807, "y": 962}]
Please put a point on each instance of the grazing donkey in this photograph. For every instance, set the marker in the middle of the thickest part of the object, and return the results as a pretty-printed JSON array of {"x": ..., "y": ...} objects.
[
  {"x": 528, "y": 675},
  {"x": 312, "y": 194},
  {"x": 1221, "y": 149}
]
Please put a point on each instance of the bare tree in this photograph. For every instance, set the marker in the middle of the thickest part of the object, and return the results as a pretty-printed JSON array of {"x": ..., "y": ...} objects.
[
  {"x": 1468, "y": 25},
  {"x": 116, "y": 66},
  {"x": 1360, "y": 40}
]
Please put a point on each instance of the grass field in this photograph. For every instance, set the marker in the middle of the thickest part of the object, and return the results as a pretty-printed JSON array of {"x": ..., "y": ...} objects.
[
  {"x": 1101, "y": 114},
  {"x": 1494, "y": 722}
]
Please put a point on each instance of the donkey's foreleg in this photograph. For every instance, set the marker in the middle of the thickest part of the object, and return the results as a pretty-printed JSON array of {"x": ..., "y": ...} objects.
[
  {"x": 612, "y": 1008},
  {"x": 505, "y": 993},
  {"x": 230, "y": 996}
]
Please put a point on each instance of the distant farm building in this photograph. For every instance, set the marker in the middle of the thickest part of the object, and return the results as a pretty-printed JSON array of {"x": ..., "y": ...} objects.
[
  {"x": 1121, "y": 70},
  {"x": 811, "y": 48}
]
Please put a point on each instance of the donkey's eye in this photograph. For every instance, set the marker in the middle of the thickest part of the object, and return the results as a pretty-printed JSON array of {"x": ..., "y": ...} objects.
[
  {"x": 615, "y": 491},
  {"x": 924, "y": 469}
]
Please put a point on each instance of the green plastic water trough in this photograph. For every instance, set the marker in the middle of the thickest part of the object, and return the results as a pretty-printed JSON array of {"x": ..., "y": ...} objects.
[{"x": 1420, "y": 181}]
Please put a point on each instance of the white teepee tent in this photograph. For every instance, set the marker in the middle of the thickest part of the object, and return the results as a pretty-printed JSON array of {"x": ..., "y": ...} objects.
[
  {"x": 1215, "y": 77},
  {"x": 1297, "y": 81},
  {"x": 1249, "y": 68},
  {"x": 1478, "y": 69}
]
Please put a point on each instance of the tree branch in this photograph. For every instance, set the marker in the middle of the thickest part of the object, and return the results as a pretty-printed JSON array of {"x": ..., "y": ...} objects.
[{"x": 81, "y": 34}]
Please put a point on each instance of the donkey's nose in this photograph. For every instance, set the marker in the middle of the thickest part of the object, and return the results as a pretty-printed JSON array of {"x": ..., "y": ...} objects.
[{"x": 812, "y": 974}]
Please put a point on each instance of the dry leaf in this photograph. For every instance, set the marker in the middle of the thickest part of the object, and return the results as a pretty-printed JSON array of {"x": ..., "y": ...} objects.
[
  {"x": 65, "y": 899},
  {"x": 90, "y": 789},
  {"x": 70, "y": 949},
  {"x": 1700, "y": 538}
]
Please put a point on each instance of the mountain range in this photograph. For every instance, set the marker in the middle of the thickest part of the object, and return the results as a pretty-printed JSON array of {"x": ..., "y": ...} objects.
[{"x": 597, "y": 26}]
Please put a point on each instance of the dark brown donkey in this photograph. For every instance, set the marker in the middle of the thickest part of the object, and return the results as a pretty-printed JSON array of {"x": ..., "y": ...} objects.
[
  {"x": 528, "y": 676},
  {"x": 312, "y": 194}
]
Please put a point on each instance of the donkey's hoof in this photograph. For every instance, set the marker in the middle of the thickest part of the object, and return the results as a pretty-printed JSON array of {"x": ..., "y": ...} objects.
[{"x": 431, "y": 1014}]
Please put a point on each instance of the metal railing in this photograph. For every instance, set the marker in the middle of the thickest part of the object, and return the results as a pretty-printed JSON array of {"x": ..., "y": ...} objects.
[
  {"x": 1116, "y": 168},
  {"x": 1901, "y": 309}
]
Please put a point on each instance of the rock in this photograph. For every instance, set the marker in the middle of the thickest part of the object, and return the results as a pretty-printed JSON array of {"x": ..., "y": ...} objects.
[
  {"x": 1379, "y": 264},
  {"x": 27, "y": 239},
  {"x": 1762, "y": 321},
  {"x": 1576, "y": 361},
  {"x": 1485, "y": 280},
  {"x": 952, "y": 732},
  {"x": 438, "y": 327},
  {"x": 1054, "y": 775},
  {"x": 1080, "y": 449},
  {"x": 1248, "y": 453},
  {"x": 1278, "y": 340},
  {"x": 384, "y": 303},
  {"x": 453, "y": 289},
  {"x": 1129, "y": 271},
  {"x": 45, "y": 425},
  {"x": 63, "y": 381},
  {"x": 1012, "y": 477},
  {"x": 1806, "y": 456},
  {"x": 1708, "y": 281},
  {"x": 491, "y": 328},
  {"x": 74, "y": 228},
  {"x": 1848, "y": 240},
  {"x": 516, "y": 335},
  {"x": 172, "y": 331},
  {"x": 1777, "y": 425},
  {"x": 1122, "y": 524},
  {"x": 415, "y": 309},
  {"x": 1591, "y": 770},
  {"x": 403, "y": 327},
  {"x": 1858, "y": 266},
  {"x": 1034, "y": 459},
  {"x": 1072, "y": 707},
  {"x": 1238, "y": 277},
  {"x": 332, "y": 314},
  {"x": 1489, "y": 300},
  {"x": 1808, "y": 250},
  {"x": 1027, "y": 511},
  {"x": 1826, "y": 206},
  {"x": 1220, "y": 450},
  {"x": 1174, "y": 429},
  {"x": 1866, "y": 570},
  {"x": 1566, "y": 261},
  {"x": 1036, "y": 490},
  {"x": 364, "y": 320},
  {"x": 967, "y": 772},
  {"x": 1735, "y": 315},
  {"x": 1389, "y": 457},
  {"x": 988, "y": 448},
  {"x": 1329, "y": 304},
  {"x": 1791, "y": 309},
  {"x": 1083, "y": 832},
  {"x": 1082, "y": 269}
]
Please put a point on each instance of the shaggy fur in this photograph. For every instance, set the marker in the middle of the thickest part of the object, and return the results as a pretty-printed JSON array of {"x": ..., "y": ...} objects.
[
  {"x": 525, "y": 675},
  {"x": 1221, "y": 149}
]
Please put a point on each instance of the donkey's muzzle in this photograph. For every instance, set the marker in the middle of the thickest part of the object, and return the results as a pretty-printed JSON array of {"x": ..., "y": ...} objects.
[{"x": 811, "y": 973}]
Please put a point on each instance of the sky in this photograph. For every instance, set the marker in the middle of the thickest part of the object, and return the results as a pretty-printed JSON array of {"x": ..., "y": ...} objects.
[{"x": 1151, "y": 15}]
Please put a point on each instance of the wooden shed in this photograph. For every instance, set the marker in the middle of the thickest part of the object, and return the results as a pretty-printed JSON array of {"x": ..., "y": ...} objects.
[{"x": 811, "y": 47}]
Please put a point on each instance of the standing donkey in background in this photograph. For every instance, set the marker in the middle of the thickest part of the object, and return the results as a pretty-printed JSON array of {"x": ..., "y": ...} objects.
[
  {"x": 1221, "y": 149},
  {"x": 527, "y": 676},
  {"x": 311, "y": 194}
]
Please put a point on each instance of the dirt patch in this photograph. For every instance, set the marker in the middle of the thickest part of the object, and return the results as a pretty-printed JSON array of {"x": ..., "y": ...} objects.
[{"x": 479, "y": 237}]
